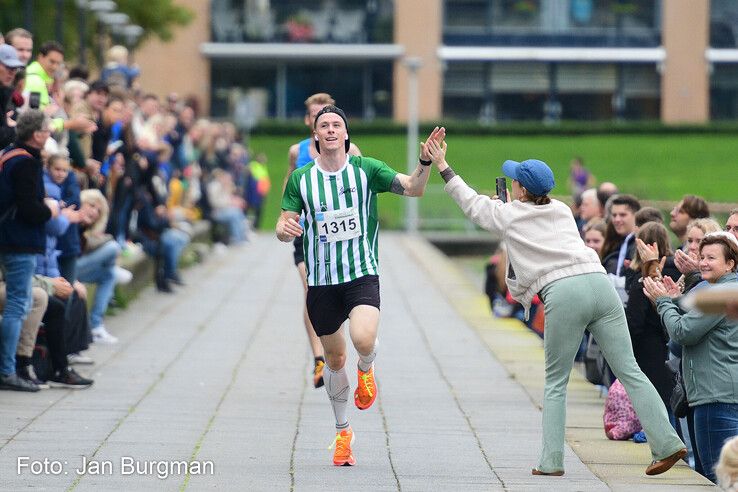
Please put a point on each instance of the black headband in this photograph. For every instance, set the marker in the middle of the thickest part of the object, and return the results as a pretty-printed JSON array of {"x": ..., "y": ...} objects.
[{"x": 332, "y": 109}]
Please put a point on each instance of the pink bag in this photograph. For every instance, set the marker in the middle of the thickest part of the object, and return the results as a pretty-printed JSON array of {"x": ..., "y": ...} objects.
[{"x": 620, "y": 419}]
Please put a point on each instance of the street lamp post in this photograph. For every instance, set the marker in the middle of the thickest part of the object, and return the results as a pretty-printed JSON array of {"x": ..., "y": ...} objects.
[{"x": 413, "y": 64}]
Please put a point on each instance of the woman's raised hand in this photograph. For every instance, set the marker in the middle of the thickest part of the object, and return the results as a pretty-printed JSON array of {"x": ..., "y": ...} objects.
[
  {"x": 647, "y": 251},
  {"x": 437, "y": 152},
  {"x": 686, "y": 263},
  {"x": 438, "y": 134}
]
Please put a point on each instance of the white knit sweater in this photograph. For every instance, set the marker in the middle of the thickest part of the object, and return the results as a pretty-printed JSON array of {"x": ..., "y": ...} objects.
[{"x": 543, "y": 243}]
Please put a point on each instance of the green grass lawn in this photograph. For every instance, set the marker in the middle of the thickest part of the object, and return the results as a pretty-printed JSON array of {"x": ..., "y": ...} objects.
[{"x": 656, "y": 167}]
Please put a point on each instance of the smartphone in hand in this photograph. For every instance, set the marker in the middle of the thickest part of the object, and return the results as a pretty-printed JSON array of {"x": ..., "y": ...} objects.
[
  {"x": 34, "y": 100},
  {"x": 501, "y": 188}
]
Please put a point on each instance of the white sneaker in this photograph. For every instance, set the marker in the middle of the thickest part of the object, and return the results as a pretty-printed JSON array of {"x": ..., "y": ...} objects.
[
  {"x": 122, "y": 276},
  {"x": 77, "y": 358},
  {"x": 101, "y": 335}
]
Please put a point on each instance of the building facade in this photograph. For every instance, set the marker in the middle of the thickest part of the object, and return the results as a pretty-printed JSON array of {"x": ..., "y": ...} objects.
[{"x": 486, "y": 60}]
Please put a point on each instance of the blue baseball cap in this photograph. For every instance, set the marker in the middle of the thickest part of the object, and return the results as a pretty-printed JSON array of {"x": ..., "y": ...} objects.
[{"x": 533, "y": 174}]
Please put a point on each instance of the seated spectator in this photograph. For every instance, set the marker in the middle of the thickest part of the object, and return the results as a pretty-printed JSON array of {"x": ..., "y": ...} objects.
[
  {"x": 226, "y": 207},
  {"x": 160, "y": 241},
  {"x": 710, "y": 349},
  {"x": 96, "y": 265}
]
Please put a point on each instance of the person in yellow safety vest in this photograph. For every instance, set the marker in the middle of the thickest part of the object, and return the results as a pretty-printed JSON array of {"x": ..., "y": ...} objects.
[
  {"x": 39, "y": 77},
  {"x": 257, "y": 186}
]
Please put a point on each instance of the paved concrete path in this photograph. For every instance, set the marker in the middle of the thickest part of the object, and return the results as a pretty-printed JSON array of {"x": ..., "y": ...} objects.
[{"x": 219, "y": 373}]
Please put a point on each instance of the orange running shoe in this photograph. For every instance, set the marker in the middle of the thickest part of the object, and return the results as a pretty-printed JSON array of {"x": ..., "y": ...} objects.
[
  {"x": 343, "y": 456},
  {"x": 366, "y": 390},
  {"x": 318, "y": 373}
]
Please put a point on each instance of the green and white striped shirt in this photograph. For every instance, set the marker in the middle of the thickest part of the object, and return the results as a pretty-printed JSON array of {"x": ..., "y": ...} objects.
[{"x": 317, "y": 192}]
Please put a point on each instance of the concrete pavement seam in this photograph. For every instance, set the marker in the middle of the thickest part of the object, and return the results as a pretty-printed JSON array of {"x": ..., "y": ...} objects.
[
  {"x": 200, "y": 329},
  {"x": 385, "y": 426},
  {"x": 455, "y": 397},
  {"x": 236, "y": 369},
  {"x": 297, "y": 425},
  {"x": 209, "y": 272}
]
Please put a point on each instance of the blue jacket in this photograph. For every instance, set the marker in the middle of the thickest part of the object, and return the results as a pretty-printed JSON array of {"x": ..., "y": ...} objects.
[
  {"x": 47, "y": 264},
  {"x": 21, "y": 185},
  {"x": 68, "y": 243}
]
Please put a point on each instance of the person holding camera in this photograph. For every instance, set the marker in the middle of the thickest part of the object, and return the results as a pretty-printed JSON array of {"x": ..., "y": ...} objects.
[{"x": 546, "y": 256}]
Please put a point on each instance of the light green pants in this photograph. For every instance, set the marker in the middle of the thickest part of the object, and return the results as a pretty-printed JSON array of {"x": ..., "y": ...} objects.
[{"x": 589, "y": 301}]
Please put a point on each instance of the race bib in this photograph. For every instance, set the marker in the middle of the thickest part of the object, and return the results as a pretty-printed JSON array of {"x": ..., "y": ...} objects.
[{"x": 338, "y": 225}]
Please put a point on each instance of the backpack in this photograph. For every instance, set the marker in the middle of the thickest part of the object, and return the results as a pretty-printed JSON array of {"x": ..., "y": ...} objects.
[{"x": 596, "y": 369}]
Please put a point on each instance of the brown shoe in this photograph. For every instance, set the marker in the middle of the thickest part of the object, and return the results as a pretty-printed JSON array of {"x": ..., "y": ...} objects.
[
  {"x": 660, "y": 466},
  {"x": 536, "y": 471}
]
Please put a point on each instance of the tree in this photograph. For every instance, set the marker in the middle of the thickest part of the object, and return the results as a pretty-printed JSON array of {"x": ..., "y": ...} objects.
[{"x": 156, "y": 17}]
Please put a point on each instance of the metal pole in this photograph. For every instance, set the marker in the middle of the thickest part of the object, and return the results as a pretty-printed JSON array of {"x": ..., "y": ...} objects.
[
  {"x": 82, "y": 16},
  {"x": 28, "y": 15},
  {"x": 412, "y": 64},
  {"x": 281, "y": 91},
  {"x": 59, "y": 22}
]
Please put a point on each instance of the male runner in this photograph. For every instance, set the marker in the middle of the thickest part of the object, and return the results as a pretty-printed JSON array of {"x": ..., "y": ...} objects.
[
  {"x": 337, "y": 193},
  {"x": 300, "y": 154}
]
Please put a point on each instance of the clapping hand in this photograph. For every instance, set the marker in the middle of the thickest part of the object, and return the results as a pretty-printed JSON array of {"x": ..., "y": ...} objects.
[
  {"x": 674, "y": 289},
  {"x": 654, "y": 289},
  {"x": 686, "y": 263},
  {"x": 647, "y": 251}
]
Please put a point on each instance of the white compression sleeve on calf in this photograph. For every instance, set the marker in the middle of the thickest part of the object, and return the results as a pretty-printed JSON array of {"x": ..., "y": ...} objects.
[
  {"x": 337, "y": 387},
  {"x": 365, "y": 361}
]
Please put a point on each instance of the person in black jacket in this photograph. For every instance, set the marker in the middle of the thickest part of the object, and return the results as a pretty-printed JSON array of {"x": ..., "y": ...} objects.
[
  {"x": 9, "y": 64},
  {"x": 23, "y": 213},
  {"x": 647, "y": 335}
]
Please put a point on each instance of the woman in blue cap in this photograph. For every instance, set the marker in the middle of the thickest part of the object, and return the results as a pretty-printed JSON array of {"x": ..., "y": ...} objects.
[{"x": 546, "y": 256}]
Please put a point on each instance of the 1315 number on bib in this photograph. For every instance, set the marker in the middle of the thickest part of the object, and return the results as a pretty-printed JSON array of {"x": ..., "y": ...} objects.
[{"x": 338, "y": 225}]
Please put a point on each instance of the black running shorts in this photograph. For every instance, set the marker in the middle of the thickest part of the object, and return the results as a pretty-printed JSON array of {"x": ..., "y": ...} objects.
[
  {"x": 329, "y": 305},
  {"x": 298, "y": 253}
]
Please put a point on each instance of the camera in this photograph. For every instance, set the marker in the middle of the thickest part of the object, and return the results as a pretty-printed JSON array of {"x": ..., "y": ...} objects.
[{"x": 501, "y": 188}]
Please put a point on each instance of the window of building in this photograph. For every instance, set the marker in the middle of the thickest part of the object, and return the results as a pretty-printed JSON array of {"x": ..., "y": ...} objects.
[
  {"x": 363, "y": 90},
  {"x": 302, "y": 21},
  {"x": 724, "y": 92},
  {"x": 723, "y": 24},
  {"x": 500, "y": 92},
  {"x": 552, "y": 22}
]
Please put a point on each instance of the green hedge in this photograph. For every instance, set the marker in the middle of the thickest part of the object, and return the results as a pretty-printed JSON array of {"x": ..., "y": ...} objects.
[{"x": 459, "y": 127}]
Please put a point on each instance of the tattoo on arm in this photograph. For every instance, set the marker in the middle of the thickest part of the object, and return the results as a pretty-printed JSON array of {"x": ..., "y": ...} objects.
[
  {"x": 396, "y": 187},
  {"x": 420, "y": 171}
]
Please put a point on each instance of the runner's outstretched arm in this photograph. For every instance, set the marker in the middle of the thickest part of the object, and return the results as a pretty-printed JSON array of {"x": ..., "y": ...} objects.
[{"x": 414, "y": 185}]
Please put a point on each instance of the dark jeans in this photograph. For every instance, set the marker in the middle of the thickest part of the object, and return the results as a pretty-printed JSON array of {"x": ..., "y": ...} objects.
[
  {"x": 714, "y": 423},
  {"x": 54, "y": 327}
]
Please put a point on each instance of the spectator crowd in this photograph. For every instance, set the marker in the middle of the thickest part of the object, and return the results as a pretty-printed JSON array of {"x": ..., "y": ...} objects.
[{"x": 94, "y": 171}]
